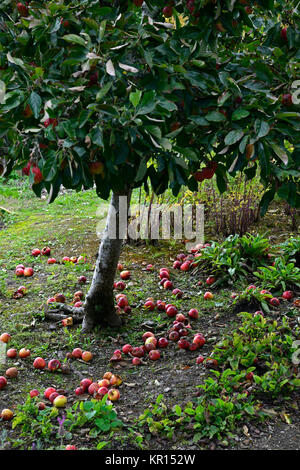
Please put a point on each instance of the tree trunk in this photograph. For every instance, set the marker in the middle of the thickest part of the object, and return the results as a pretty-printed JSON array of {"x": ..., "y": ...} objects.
[{"x": 99, "y": 306}]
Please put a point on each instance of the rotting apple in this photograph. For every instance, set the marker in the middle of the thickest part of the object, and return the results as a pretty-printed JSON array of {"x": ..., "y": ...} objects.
[
  {"x": 6, "y": 415},
  {"x": 12, "y": 372}
]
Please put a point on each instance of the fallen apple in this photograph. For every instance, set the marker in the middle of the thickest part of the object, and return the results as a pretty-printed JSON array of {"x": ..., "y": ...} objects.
[
  {"x": 39, "y": 363},
  {"x": 6, "y": 414},
  {"x": 3, "y": 382},
  {"x": 11, "y": 373},
  {"x": 60, "y": 401},
  {"x": 5, "y": 338}
]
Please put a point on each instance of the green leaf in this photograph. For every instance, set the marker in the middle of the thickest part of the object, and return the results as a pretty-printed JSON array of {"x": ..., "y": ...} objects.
[
  {"x": 279, "y": 152},
  {"x": 135, "y": 97},
  {"x": 35, "y": 102},
  {"x": 215, "y": 116},
  {"x": 74, "y": 39},
  {"x": 104, "y": 90},
  {"x": 233, "y": 137},
  {"x": 239, "y": 114},
  {"x": 97, "y": 137}
]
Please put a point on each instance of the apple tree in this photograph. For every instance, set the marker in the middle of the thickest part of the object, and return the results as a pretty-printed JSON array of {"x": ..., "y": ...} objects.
[{"x": 118, "y": 94}]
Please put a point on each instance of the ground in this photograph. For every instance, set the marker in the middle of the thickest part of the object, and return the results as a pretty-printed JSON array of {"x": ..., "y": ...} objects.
[{"x": 68, "y": 227}]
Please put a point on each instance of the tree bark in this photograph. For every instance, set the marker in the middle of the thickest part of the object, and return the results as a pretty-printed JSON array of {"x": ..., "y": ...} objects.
[{"x": 99, "y": 306}]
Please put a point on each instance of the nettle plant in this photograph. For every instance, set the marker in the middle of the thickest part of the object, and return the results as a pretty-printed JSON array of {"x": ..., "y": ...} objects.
[{"x": 113, "y": 94}]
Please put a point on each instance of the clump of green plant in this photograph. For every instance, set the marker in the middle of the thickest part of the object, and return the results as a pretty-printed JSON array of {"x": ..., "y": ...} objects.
[
  {"x": 34, "y": 423},
  {"x": 49, "y": 427},
  {"x": 257, "y": 339},
  {"x": 159, "y": 419},
  {"x": 282, "y": 275},
  {"x": 235, "y": 258},
  {"x": 96, "y": 414},
  {"x": 290, "y": 250}
]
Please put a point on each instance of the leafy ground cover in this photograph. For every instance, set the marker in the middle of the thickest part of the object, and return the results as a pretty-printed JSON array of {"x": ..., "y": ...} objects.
[{"x": 242, "y": 393}]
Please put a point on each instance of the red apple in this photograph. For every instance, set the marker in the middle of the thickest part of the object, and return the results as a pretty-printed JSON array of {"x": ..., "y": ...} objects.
[
  {"x": 199, "y": 359},
  {"x": 87, "y": 356},
  {"x": 168, "y": 285},
  {"x": 3, "y": 382},
  {"x": 82, "y": 280},
  {"x": 154, "y": 355},
  {"x": 51, "y": 261},
  {"x": 34, "y": 393},
  {"x": 41, "y": 405},
  {"x": 93, "y": 388},
  {"x": 46, "y": 251},
  {"x": 49, "y": 392},
  {"x": 85, "y": 383},
  {"x": 178, "y": 293},
  {"x": 185, "y": 266},
  {"x": 146, "y": 335},
  {"x": 177, "y": 264},
  {"x": 171, "y": 311},
  {"x": 210, "y": 280},
  {"x": 249, "y": 376},
  {"x": 19, "y": 272},
  {"x": 283, "y": 34},
  {"x": 274, "y": 302},
  {"x": 22, "y": 290},
  {"x": 113, "y": 394},
  {"x": 39, "y": 363},
  {"x": 174, "y": 336},
  {"x": 77, "y": 353},
  {"x": 70, "y": 446},
  {"x": 24, "y": 353},
  {"x": 127, "y": 348},
  {"x": 288, "y": 295},
  {"x": 5, "y": 338},
  {"x": 120, "y": 285},
  {"x": 12, "y": 353},
  {"x": 53, "y": 396},
  {"x": 208, "y": 296},
  {"x": 28, "y": 272},
  {"x": 149, "y": 305},
  {"x": 193, "y": 313},
  {"x": 136, "y": 361},
  {"x": 6, "y": 415},
  {"x": 54, "y": 365},
  {"x": 199, "y": 340},
  {"x": 124, "y": 275},
  {"x": 36, "y": 252},
  {"x": 138, "y": 352},
  {"x": 163, "y": 342}
]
